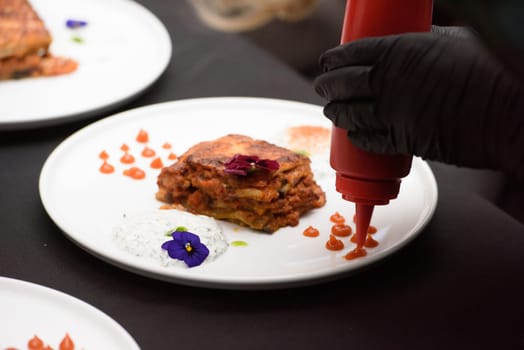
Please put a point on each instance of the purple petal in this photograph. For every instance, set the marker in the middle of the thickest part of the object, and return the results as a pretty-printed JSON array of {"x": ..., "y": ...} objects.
[
  {"x": 268, "y": 164},
  {"x": 75, "y": 23},
  {"x": 176, "y": 251},
  {"x": 236, "y": 171},
  {"x": 197, "y": 255}
]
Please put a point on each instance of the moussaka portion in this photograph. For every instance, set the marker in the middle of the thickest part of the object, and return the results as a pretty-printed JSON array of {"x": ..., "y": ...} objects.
[
  {"x": 249, "y": 182},
  {"x": 24, "y": 44}
]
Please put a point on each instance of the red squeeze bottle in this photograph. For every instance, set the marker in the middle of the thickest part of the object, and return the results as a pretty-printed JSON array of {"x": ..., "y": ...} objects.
[{"x": 369, "y": 179}]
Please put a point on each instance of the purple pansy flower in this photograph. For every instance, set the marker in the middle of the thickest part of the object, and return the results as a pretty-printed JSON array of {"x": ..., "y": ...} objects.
[
  {"x": 186, "y": 246},
  {"x": 243, "y": 165}
]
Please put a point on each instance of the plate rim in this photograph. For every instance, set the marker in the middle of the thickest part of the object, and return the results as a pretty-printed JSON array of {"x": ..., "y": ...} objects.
[
  {"x": 259, "y": 282},
  {"x": 45, "y": 292}
]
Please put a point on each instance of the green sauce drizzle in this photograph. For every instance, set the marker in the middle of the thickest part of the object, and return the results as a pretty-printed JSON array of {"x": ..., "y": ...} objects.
[{"x": 239, "y": 244}]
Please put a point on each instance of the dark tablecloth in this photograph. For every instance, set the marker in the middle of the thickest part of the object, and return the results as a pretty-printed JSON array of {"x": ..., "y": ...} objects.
[{"x": 458, "y": 285}]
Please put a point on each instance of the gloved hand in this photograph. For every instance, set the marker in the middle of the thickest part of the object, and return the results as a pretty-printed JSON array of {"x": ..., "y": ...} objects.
[{"x": 441, "y": 97}]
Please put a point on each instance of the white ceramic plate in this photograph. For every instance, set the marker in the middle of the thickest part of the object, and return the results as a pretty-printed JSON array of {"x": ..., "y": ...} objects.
[
  {"x": 87, "y": 204},
  {"x": 125, "y": 49},
  {"x": 30, "y": 309}
]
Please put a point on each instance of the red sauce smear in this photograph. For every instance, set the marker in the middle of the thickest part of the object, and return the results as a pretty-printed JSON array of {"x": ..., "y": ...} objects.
[
  {"x": 337, "y": 218},
  {"x": 67, "y": 343},
  {"x": 157, "y": 164},
  {"x": 35, "y": 343},
  {"x": 311, "y": 232},
  {"x": 135, "y": 173},
  {"x": 142, "y": 137},
  {"x": 358, "y": 252},
  {"x": 334, "y": 244},
  {"x": 341, "y": 230},
  {"x": 106, "y": 168},
  {"x": 148, "y": 152}
]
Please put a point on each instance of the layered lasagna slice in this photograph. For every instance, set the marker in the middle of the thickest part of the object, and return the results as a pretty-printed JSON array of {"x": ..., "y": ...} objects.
[
  {"x": 262, "y": 199},
  {"x": 24, "y": 44}
]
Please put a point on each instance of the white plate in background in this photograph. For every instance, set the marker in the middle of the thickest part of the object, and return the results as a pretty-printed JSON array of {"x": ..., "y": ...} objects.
[
  {"x": 87, "y": 204},
  {"x": 124, "y": 50},
  {"x": 30, "y": 309}
]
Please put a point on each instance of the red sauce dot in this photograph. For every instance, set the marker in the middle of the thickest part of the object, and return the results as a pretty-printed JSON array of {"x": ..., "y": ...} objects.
[
  {"x": 103, "y": 155},
  {"x": 142, "y": 137},
  {"x": 148, "y": 152},
  {"x": 166, "y": 145},
  {"x": 341, "y": 230},
  {"x": 372, "y": 229},
  {"x": 334, "y": 244},
  {"x": 311, "y": 232},
  {"x": 172, "y": 156},
  {"x": 135, "y": 173},
  {"x": 124, "y": 147},
  {"x": 127, "y": 158},
  {"x": 337, "y": 218},
  {"x": 35, "y": 343},
  {"x": 67, "y": 343},
  {"x": 157, "y": 163},
  {"x": 106, "y": 168},
  {"x": 358, "y": 252}
]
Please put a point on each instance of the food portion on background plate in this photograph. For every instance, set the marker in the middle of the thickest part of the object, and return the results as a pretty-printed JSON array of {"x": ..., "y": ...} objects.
[
  {"x": 88, "y": 56},
  {"x": 25, "y": 42}
]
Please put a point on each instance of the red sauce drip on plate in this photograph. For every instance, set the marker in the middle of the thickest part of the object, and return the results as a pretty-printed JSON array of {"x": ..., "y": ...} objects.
[
  {"x": 166, "y": 145},
  {"x": 106, "y": 168},
  {"x": 127, "y": 158},
  {"x": 35, "y": 343},
  {"x": 337, "y": 218},
  {"x": 142, "y": 137},
  {"x": 148, "y": 152},
  {"x": 311, "y": 232},
  {"x": 334, "y": 244},
  {"x": 67, "y": 343},
  {"x": 157, "y": 164},
  {"x": 358, "y": 252},
  {"x": 341, "y": 230},
  {"x": 103, "y": 155},
  {"x": 369, "y": 243},
  {"x": 172, "y": 156},
  {"x": 135, "y": 173}
]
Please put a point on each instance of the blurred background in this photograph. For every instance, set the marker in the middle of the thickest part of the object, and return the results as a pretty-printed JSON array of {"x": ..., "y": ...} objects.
[{"x": 296, "y": 32}]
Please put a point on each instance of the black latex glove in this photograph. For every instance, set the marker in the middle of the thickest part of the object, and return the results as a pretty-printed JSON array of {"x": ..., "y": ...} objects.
[{"x": 437, "y": 96}]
